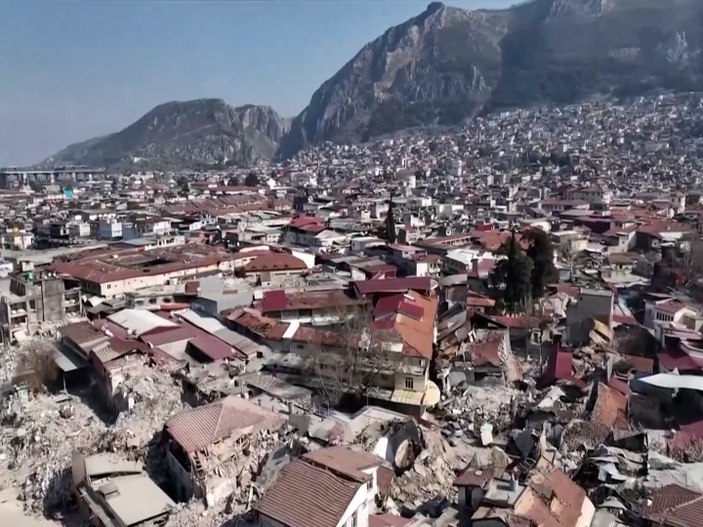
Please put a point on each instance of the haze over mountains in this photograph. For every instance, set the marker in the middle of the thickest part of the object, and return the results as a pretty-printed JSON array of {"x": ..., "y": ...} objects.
[{"x": 440, "y": 67}]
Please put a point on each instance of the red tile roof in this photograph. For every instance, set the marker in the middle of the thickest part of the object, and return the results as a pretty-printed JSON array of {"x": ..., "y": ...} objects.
[
  {"x": 344, "y": 462},
  {"x": 421, "y": 284},
  {"x": 274, "y": 301},
  {"x": 397, "y": 304},
  {"x": 552, "y": 499},
  {"x": 474, "y": 299},
  {"x": 213, "y": 348},
  {"x": 197, "y": 428},
  {"x": 671, "y": 306},
  {"x": 388, "y": 520},
  {"x": 281, "y": 300},
  {"x": 275, "y": 262},
  {"x": 611, "y": 408},
  {"x": 416, "y": 333},
  {"x": 674, "y": 358},
  {"x": 304, "y": 495},
  {"x": 675, "y": 506},
  {"x": 301, "y": 221}
]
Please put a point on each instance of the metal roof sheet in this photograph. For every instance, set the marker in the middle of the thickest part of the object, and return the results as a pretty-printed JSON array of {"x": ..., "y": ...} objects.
[{"x": 139, "y": 321}]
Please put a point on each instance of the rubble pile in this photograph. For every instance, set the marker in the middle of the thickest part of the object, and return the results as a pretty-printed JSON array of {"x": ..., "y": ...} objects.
[
  {"x": 431, "y": 473},
  {"x": 478, "y": 405},
  {"x": 195, "y": 513},
  {"x": 148, "y": 397},
  {"x": 39, "y": 436},
  {"x": 254, "y": 467}
]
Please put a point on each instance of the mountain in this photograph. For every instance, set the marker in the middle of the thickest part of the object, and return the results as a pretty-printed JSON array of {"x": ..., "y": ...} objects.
[
  {"x": 440, "y": 67},
  {"x": 448, "y": 64},
  {"x": 185, "y": 134}
]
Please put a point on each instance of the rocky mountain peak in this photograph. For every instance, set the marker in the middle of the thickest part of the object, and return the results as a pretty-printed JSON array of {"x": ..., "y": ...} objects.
[
  {"x": 440, "y": 67},
  {"x": 185, "y": 133},
  {"x": 447, "y": 64}
]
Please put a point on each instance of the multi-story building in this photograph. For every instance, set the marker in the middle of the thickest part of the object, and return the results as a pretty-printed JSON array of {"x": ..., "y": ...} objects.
[{"x": 37, "y": 298}]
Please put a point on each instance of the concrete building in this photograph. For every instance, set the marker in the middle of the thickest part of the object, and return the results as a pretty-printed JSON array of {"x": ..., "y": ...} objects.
[
  {"x": 37, "y": 298},
  {"x": 112, "y": 492}
]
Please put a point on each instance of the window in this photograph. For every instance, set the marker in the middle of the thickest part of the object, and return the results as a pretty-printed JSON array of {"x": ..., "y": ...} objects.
[
  {"x": 409, "y": 383},
  {"x": 300, "y": 346}
]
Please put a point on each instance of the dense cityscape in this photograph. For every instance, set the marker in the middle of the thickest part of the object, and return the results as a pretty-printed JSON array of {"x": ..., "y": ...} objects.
[
  {"x": 496, "y": 324},
  {"x": 431, "y": 266}
]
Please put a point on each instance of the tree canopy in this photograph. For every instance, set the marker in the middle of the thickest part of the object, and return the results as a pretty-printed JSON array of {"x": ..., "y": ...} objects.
[
  {"x": 514, "y": 273},
  {"x": 252, "y": 180},
  {"x": 541, "y": 252},
  {"x": 390, "y": 223}
]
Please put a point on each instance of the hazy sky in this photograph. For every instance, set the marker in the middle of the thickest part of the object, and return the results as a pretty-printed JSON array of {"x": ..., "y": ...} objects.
[{"x": 71, "y": 70}]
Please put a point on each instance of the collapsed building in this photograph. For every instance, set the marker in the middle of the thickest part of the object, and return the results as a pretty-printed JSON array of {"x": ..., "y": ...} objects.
[
  {"x": 113, "y": 492},
  {"x": 207, "y": 448}
]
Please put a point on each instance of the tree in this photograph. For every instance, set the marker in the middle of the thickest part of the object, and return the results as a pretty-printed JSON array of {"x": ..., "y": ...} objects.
[
  {"x": 541, "y": 252},
  {"x": 183, "y": 186},
  {"x": 514, "y": 274},
  {"x": 252, "y": 180},
  {"x": 348, "y": 360},
  {"x": 390, "y": 223}
]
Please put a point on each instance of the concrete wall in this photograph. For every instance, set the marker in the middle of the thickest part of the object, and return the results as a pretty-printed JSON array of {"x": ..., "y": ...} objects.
[
  {"x": 590, "y": 304},
  {"x": 49, "y": 300}
]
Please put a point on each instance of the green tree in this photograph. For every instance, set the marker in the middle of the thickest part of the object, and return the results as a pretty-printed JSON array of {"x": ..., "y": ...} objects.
[
  {"x": 390, "y": 223},
  {"x": 183, "y": 186},
  {"x": 252, "y": 180},
  {"x": 541, "y": 252},
  {"x": 514, "y": 274}
]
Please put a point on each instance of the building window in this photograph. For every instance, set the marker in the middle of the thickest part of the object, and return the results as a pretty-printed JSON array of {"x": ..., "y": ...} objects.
[{"x": 409, "y": 383}]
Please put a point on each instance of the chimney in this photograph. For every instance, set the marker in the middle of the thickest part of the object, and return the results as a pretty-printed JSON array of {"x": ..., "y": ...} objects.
[{"x": 513, "y": 483}]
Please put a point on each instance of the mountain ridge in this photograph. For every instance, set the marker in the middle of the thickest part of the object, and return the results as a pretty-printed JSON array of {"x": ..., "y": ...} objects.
[
  {"x": 205, "y": 131},
  {"x": 440, "y": 67}
]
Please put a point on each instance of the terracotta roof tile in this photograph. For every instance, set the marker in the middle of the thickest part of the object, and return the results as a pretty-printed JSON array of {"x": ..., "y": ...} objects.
[
  {"x": 552, "y": 499},
  {"x": 675, "y": 506},
  {"x": 198, "y": 428},
  {"x": 275, "y": 262},
  {"x": 344, "y": 461},
  {"x": 304, "y": 495},
  {"x": 610, "y": 408}
]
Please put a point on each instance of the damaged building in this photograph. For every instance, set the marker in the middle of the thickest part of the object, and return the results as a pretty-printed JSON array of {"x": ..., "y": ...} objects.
[{"x": 206, "y": 446}]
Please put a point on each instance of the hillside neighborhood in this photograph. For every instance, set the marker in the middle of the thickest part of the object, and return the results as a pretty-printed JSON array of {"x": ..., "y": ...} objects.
[{"x": 494, "y": 325}]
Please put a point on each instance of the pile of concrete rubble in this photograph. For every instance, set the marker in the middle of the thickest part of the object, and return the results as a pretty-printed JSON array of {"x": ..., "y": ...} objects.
[
  {"x": 254, "y": 468},
  {"x": 39, "y": 435},
  {"x": 148, "y": 398}
]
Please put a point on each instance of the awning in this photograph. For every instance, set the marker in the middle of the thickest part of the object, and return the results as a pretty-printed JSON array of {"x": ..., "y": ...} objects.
[
  {"x": 407, "y": 397},
  {"x": 67, "y": 361},
  {"x": 432, "y": 394}
]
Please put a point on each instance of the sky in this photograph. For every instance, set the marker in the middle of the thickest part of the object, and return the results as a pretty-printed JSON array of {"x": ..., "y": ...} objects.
[{"x": 71, "y": 70}]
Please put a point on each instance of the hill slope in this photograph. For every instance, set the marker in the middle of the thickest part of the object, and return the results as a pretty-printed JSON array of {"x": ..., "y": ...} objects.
[
  {"x": 180, "y": 134},
  {"x": 447, "y": 64}
]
